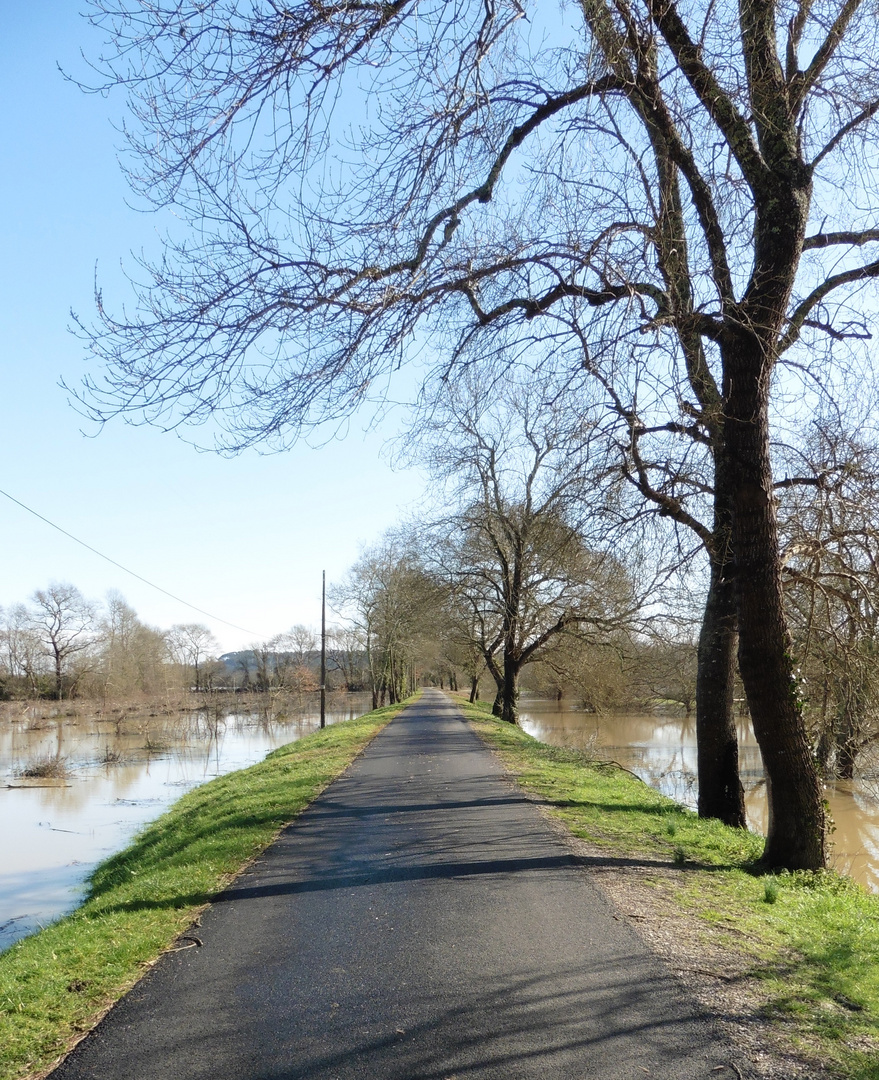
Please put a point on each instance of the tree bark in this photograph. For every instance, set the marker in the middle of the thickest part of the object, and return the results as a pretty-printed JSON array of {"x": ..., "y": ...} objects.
[
  {"x": 844, "y": 729},
  {"x": 720, "y": 790},
  {"x": 846, "y": 756},
  {"x": 795, "y": 837},
  {"x": 498, "y": 676},
  {"x": 510, "y": 693}
]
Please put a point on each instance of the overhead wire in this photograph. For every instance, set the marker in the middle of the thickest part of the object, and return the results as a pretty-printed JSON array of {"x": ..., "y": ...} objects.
[{"x": 125, "y": 569}]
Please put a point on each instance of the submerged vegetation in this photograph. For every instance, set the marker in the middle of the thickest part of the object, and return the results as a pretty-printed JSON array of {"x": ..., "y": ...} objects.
[{"x": 45, "y": 767}]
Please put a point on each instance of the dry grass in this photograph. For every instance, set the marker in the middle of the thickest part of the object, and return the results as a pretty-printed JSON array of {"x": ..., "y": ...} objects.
[{"x": 46, "y": 767}]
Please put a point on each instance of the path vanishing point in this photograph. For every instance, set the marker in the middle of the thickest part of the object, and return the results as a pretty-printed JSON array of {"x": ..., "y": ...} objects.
[{"x": 420, "y": 921}]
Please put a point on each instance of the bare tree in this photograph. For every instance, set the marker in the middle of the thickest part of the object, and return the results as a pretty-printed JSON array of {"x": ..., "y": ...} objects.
[
  {"x": 132, "y": 657},
  {"x": 65, "y": 623},
  {"x": 647, "y": 186},
  {"x": 192, "y": 645},
  {"x": 518, "y": 552},
  {"x": 594, "y": 673},
  {"x": 22, "y": 650},
  {"x": 665, "y": 671},
  {"x": 346, "y": 652},
  {"x": 461, "y": 633},
  {"x": 829, "y": 523},
  {"x": 263, "y": 656},
  {"x": 293, "y": 653},
  {"x": 391, "y": 603}
]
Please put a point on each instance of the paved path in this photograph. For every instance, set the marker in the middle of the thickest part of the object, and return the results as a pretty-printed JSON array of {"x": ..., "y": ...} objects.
[{"x": 419, "y": 922}]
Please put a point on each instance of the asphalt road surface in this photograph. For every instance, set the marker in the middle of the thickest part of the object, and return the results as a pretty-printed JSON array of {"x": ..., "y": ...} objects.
[{"x": 420, "y": 920}]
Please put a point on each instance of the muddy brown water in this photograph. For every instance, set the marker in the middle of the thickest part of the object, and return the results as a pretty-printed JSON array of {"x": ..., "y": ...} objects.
[
  {"x": 119, "y": 776},
  {"x": 662, "y": 751}
]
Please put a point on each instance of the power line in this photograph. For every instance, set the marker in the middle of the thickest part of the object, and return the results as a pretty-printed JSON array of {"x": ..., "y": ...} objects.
[{"x": 107, "y": 558}]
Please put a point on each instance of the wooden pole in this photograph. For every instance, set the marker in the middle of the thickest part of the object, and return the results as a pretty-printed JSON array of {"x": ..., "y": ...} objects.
[{"x": 323, "y": 650}]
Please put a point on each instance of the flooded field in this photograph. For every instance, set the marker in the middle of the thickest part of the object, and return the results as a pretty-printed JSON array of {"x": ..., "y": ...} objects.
[
  {"x": 662, "y": 750},
  {"x": 113, "y": 775}
]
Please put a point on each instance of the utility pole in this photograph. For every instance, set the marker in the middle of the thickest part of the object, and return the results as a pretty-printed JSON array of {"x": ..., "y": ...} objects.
[{"x": 323, "y": 650}]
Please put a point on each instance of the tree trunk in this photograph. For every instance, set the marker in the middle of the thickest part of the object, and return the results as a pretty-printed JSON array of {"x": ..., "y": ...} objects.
[
  {"x": 59, "y": 677},
  {"x": 845, "y": 728},
  {"x": 846, "y": 756},
  {"x": 825, "y": 747},
  {"x": 510, "y": 692},
  {"x": 795, "y": 837},
  {"x": 720, "y": 790},
  {"x": 474, "y": 689},
  {"x": 498, "y": 676}
]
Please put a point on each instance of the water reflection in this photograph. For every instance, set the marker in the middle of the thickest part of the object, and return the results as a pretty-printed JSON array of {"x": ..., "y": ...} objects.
[
  {"x": 662, "y": 750},
  {"x": 119, "y": 774}
]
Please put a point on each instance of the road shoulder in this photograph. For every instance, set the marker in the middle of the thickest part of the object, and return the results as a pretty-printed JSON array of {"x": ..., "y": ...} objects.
[{"x": 644, "y": 893}]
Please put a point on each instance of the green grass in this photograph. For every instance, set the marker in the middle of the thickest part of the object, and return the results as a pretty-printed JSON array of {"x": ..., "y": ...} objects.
[
  {"x": 812, "y": 940},
  {"x": 57, "y": 983}
]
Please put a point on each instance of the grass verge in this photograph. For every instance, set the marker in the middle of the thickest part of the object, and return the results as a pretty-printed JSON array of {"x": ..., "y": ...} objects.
[
  {"x": 55, "y": 985},
  {"x": 811, "y": 940}
]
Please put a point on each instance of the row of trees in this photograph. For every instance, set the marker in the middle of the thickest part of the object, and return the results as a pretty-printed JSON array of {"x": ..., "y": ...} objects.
[
  {"x": 523, "y": 567},
  {"x": 546, "y": 560},
  {"x": 659, "y": 194},
  {"x": 62, "y": 645}
]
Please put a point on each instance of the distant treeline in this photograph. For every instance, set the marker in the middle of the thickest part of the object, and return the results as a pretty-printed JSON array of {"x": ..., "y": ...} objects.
[{"x": 62, "y": 645}]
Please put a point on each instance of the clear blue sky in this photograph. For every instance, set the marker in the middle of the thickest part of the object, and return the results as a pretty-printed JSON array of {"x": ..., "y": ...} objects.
[{"x": 245, "y": 539}]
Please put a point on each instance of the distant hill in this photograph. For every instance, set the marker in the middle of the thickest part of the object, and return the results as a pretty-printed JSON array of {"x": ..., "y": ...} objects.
[{"x": 248, "y": 659}]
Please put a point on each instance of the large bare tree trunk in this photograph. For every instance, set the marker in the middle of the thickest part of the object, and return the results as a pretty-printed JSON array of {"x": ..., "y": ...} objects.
[
  {"x": 720, "y": 790},
  {"x": 795, "y": 837},
  {"x": 510, "y": 692}
]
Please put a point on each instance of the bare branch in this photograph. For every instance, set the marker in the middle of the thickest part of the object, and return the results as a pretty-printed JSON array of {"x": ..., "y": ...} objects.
[
  {"x": 851, "y": 239},
  {"x": 714, "y": 99},
  {"x": 803, "y": 82},
  {"x": 835, "y": 281},
  {"x": 865, "y": 114}
]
